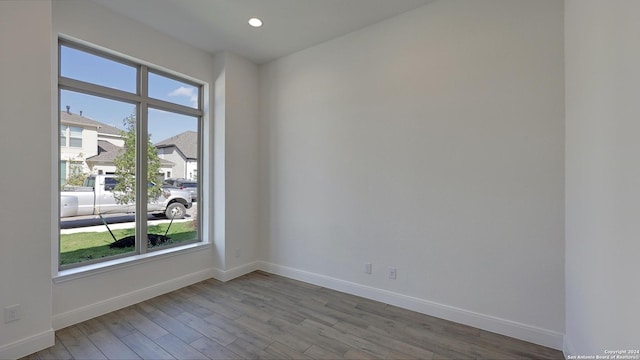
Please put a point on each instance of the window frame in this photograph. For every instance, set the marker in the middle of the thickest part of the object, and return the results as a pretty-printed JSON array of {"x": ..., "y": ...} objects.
[{"x": 143, "y": 103}]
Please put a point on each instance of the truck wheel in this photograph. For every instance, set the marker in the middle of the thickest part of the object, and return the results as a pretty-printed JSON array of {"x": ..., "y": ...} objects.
[{"x": 175, "y": 210}]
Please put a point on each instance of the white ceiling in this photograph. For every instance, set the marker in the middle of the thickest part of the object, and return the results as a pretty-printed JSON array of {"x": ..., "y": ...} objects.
[{"x": 289, "y": 25}]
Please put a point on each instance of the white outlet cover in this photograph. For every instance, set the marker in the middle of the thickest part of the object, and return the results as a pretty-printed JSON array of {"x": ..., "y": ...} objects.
[
  {"x": 392, "y": 273},
  {"x": 11, "y": 313},
  {"x": 367, "y": 268}
]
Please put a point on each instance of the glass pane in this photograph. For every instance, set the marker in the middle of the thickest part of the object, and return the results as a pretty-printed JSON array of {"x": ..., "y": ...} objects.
[
  {"x": 76, "y": 143},
  {"x": 75, "y": 131},
  {"x": 175, "y": 139},
  {"x": 80, "y": 65},
  {"x": 63, "y": 135},
  {"x": 95, "y": 215},
  {"x": 63, "y": 172},
  {"x": 164, "y": 88}
]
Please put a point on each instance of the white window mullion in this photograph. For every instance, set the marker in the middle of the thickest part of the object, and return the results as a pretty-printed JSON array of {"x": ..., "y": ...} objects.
[{"x": 142, "y": 134}]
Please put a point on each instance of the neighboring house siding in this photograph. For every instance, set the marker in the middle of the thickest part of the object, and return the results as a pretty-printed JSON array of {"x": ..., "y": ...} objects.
[
  {"x": 173, "y": 155},
  {"x": 89, "y": 142},
  {"x": 182, "y": 150},
  {"x": 192, "y": 169},
  {"x": 116, "y": 140}
]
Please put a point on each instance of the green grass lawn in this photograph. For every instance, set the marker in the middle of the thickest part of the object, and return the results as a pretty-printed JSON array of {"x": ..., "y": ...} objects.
[{"x": 85, "y": 246}]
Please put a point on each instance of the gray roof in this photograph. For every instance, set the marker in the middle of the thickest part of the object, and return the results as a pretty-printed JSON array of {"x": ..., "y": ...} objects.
[
  {"x": 186, "y": 142},
  {"x": 107, "y": 152},
  {"x": 70, "y": 118}
]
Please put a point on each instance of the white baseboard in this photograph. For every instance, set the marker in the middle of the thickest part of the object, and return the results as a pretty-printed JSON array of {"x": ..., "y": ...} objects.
[
  {"x": 226, "y": 275},
  {"x": 567, "y": 348},
  {"x": 27, "y": 346},
  {"x": 536, "y": 335},
  {"x": 84, "y": 313}
]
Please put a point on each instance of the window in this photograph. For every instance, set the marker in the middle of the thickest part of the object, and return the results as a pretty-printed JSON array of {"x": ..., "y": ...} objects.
[
  {"x": 70, "y": 136},
  {"x": 109, "y": 184},
  {"x": 63, "y": 135},
  {"x": 75, "y": 136},
  {"x": 114, "y": 116},
  {"x": 63, "y": 173}
]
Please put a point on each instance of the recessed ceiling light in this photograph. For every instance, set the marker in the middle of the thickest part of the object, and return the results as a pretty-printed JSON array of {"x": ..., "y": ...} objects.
[{"x": 255, "y": 22}]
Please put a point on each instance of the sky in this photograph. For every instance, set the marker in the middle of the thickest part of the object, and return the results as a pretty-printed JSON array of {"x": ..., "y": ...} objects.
[{"x": 79, "y": 65}]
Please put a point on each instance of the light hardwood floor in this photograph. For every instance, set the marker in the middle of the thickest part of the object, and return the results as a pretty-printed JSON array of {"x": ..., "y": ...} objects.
[{"x": 264, "y": 316}]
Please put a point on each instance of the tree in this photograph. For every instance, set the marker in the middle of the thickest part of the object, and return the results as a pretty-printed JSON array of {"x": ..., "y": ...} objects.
[
  {"x": 125, "y": 161},
  {"x": 77, "y": 173}
]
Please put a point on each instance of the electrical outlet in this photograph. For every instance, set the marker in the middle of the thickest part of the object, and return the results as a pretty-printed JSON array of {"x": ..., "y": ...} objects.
[
  {"x": 392, "y": 273},
  {"x": 11, "y": 313},
  {"x": 367, "y": 268},
  {"x": 237, "y": 252}
]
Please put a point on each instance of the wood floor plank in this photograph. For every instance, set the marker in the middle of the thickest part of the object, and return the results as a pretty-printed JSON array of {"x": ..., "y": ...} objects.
[
  {"x": 279, "y": 350},
  {"x": 316, "y": 352},
  {"x": 111, "y": 346},
  {"x": 207, "y": 329},
  {"x": 216, "y": 307},
  {"x": 521, "y": 347},
  {"x": 265, "y": 316},
  {"x": 143, "y": 324},
  {"x": 248, "y": 349},
  {"x": 341, "y": 316},
  {"x": 145, "y": 347},
  {"x": 374, "y": 350},
  {"x": 57, "y": 352},
  {"x": 116, "y": 324},
  {"x": 78, "y": 344},
  {"x": 400, "y": 348},
  {"x": 234, "y": 303},
  {"x": 384, "y": 323},
  {"x": 175, "y": 327},
  {"x": 178, "y": 348},
  {"x": 92, "y": 326},
  {"x": 275, "y": 333},
  {"x": 213, "y": 350},
  {"x": 167, "y": 306},
  {"x": 355, "y": 354},
  {"x": 312, "y": 336},
  {"x": 188, "y": 306}
]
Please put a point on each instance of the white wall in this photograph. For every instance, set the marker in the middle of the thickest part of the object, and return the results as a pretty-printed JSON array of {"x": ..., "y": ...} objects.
[
  {"x": 25, "y": 110},
  {"x": 236, "y": 164},
  {"x": 241, "y": 131},
  {"x": 432, "y": 142},
  {"x": 602, "y": 176}
]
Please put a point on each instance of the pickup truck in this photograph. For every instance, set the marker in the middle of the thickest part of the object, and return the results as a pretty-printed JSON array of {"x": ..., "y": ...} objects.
[{"x": 96, "y": 197}]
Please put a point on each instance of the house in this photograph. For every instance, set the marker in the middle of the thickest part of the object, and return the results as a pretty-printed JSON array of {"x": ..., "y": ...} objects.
[
  {"x": 90, "y": 147},
  {"x": 182, "y": 151},
  {"x": 78, "y": 140},
  {"x": 487, "y": 149},
  {"x": 82, "y": 138},
  {"x": 103, "y": 162}
]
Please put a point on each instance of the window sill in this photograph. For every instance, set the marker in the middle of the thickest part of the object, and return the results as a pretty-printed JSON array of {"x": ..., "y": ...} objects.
[{"x": 116, "y": 264}]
